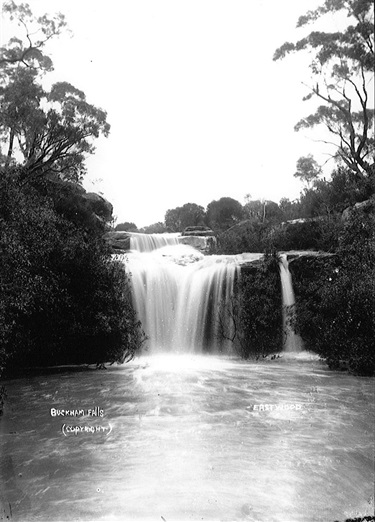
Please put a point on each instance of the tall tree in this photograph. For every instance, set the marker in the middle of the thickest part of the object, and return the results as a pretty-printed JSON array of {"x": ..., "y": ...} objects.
[
  {"x": 190, "y": 214},
  {"x": 51, "y": 131},
  {"x": 224, "y": 213},
  {"x": 308, "y": 169},
  {"x": 343, "y": 66},
  {"x": 29, "y": 48}
]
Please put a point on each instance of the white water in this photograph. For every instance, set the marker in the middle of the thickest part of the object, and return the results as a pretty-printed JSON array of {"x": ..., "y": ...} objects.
[
  {"x": 190, "y": 441},
  {"x": 292, "y": 341},
  {"x": 179, "y": 294},
  {"x": 150, "y": 242}
]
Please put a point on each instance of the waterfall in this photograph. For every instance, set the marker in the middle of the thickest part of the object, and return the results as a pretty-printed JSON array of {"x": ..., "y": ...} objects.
[
  {"x": 150, "y": 242},
  {"x": 178, "y": 292},
  {"x": 292, "y": 341}
]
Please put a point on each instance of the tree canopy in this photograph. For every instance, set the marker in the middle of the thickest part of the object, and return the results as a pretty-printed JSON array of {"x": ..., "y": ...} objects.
[
  {"x": 343, "y": 67},
  {"x": 42, "y": 132},
  {"x": 224, "y": 213},
  {"x": 190, "y": 214},
  {"x": 63, "y": 298}
]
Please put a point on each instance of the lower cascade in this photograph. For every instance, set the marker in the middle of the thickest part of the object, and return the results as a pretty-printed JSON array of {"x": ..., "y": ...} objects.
[
  {"x": 292, "y": 341},
  {"x": 178, "y": 293}
]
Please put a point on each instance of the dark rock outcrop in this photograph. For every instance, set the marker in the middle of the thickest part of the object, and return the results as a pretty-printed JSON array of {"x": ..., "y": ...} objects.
[
  {"x": 99, "y": 205},
  {"x": 204, "y": 244},
  {"x": 198, "y": 231},
  {"x": 118, "y": 241}
]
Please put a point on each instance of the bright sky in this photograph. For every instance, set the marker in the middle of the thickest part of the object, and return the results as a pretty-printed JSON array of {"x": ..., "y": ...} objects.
[{"x": 197, "y": 107}]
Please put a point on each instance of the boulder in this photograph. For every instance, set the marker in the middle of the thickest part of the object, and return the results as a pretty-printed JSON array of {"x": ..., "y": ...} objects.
[
  {"x": 118, "y": 241},
  {"x": 204, "y": 244},
  {"x": 363, "y": 206},
  {"x": 99, "y": 205}
]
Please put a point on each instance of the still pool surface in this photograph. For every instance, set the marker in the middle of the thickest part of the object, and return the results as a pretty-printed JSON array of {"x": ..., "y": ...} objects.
[{"x": 190, "y": 438}]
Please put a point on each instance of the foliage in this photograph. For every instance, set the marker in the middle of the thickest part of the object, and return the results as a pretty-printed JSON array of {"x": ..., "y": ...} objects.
[
  {"x": 310, "y": 234},
  {"x": 28, "y": 49},
  {"x": 255, "y": 310},
  {"x": 155, "y": 228},
  {"x": 343, "y": 65},
  {"x": 190, "y": 214},
  {"x": 224, "y": 213},
  {"x": 263, "y": 211},
  {"x": 290, "y": 209},
  {"x": 336, "y": 297},
  {"x": 308, "y": 169},
  {"x": 127, "y": 227},
  {"x": 63, "y": 300},
  {"x": 325, "y": 198},
  {"x": 52, "y": 131},
  {"x": 247, "y": 236}
]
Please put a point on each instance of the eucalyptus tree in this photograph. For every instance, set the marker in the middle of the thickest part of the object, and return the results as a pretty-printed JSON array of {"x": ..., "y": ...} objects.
[
  {"x": 63, "y": 299},
  {"x": 42, "y": 131},
  {"x": 342, "y": 68},
  {"x": 190, "y": 214},
  {"x": 29, "y": 47},
  {"x": 224, "y": 213}
]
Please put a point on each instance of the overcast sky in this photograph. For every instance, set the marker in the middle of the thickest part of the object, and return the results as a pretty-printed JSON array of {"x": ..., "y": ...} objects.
[{"x": 197, "y": 107}]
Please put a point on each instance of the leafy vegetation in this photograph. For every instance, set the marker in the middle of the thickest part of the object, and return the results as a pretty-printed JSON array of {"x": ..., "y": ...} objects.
[
  {"x": 342, "y": 65},
  {"x": 128, "y": 227},
  {"x": 255, "y": 311},
  {"x": 190, "y": 214},
  {"x": 63, "y": 299},
  {"x": 336, "y": 298}
]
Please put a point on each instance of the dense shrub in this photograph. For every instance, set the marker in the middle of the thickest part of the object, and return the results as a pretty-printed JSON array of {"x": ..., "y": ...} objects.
[
  {"x": 63, "y": 299},
  {"x": 256, "y": 310},
  {"x": 319, "y": 234},
  {"x": 336, "y": 298},
  {"x": 248, "y": 236},
  {"x": 254, "y": 236}
]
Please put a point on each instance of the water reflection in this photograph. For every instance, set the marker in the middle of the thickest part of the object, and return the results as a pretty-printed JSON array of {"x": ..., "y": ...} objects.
[{"x": 193, "y": 438}]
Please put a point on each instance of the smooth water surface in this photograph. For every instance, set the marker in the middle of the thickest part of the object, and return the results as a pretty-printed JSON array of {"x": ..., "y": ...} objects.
[{"x": 192, "y": 438}]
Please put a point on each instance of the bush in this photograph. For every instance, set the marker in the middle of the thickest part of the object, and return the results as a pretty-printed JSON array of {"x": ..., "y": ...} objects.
[
  {"x": 254, "y": 236},
  {"x": 336, "y": 298},
  {"x": 63, "y": 299},
  {"x": 255, "y": 311},
  {"x": 247, "y": 236},
  {"x": 319, "y": 234}
]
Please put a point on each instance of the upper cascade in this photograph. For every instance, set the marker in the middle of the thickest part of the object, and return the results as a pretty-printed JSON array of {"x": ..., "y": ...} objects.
[{"x": 150, "y": 242}]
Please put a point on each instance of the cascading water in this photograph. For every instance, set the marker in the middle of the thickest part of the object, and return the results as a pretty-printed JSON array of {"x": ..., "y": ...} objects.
[
  {"x": 150, "y": 242},
  {"x": 178, "y": 293},
  {"x": 292, "y": 341}
]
